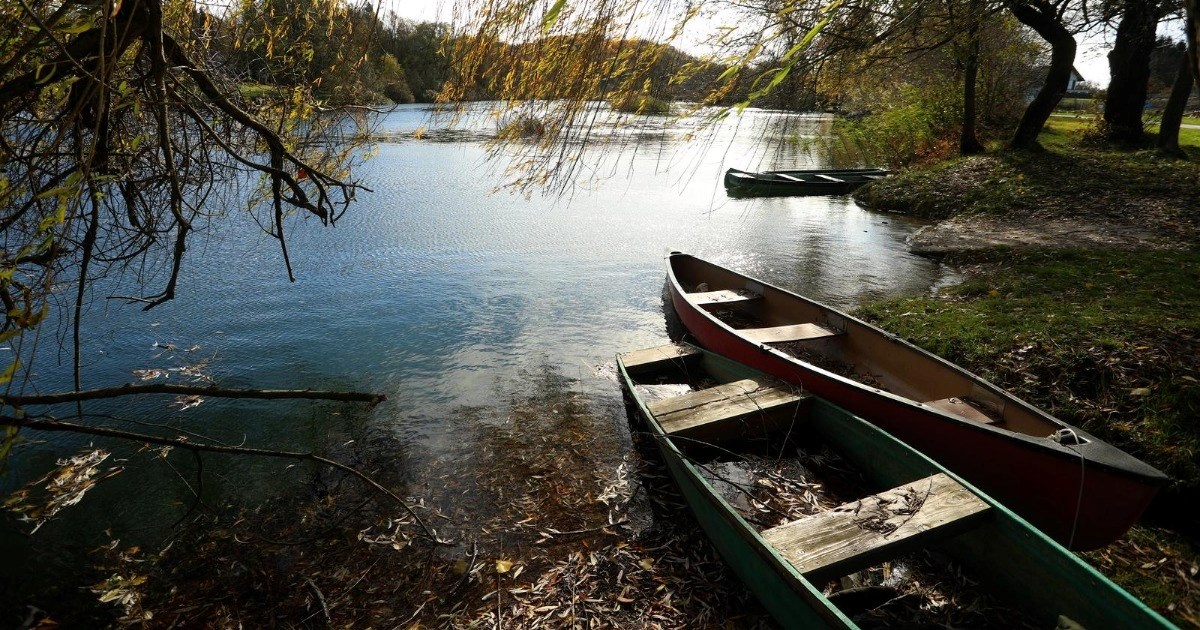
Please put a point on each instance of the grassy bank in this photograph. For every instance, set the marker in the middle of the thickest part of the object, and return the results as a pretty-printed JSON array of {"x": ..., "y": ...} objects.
[
  {"x": 1068, "y": 179},
  {"x": 1106, "y": 338}
]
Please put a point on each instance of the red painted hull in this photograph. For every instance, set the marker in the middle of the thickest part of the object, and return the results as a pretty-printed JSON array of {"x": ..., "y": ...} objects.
[{"x": 1069, "y": 493}]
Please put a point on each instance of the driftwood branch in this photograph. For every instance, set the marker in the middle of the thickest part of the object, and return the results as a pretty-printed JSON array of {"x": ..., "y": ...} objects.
[
  {"x": 214, "y": 391},
  {"x": 52, "y": 424}
]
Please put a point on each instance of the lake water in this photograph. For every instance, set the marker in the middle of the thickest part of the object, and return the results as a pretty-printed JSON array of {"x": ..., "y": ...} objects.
[{"x": 451, "y": 300}]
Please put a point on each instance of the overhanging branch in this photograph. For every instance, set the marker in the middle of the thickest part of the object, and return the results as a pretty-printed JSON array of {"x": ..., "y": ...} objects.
[
  {"x": 52, "y": 424},
  {"x": 214, "y": 391}
]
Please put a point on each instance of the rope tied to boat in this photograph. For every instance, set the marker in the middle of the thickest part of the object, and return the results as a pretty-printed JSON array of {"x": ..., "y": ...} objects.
[{"x": 1069, "y": 439}]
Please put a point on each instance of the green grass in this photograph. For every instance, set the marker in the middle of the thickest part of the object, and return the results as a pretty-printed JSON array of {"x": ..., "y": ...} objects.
[
  {"x": 1155, "y": 565},
  {"x": 253, "y": 91},
  {"x": 1069, "y": 178},
  {"x": 1187, "y": 137},
  {"x": 1062, "y": 131},
  {"x": 1107, "y": 340}
]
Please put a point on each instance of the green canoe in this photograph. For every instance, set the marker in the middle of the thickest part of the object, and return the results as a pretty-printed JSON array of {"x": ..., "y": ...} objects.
[{"x": 704, "y": 411}]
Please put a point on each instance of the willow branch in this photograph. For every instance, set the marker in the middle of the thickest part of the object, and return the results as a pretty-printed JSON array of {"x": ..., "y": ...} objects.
[
  {"x": 179, "y": 57},
  {"x": 58, "y": 425},
  {"x": 214, "y": 391},
  {"x": 89, "y": 244}
]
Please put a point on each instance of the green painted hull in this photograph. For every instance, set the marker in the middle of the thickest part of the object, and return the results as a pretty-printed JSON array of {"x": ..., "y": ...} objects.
[{"x": 1015, "y": 561}]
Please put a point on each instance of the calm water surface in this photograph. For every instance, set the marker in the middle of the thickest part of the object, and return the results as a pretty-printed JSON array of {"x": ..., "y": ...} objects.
[{"x": 445, "y": 296}]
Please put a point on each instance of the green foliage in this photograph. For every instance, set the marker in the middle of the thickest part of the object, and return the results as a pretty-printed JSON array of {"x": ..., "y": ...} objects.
[
  {"x": 917, "y": 124},
  {"x": 1090, "y": 335},
  {"x": 342, "y": 52},
  {"x": 391, "y": 77},
  {"x": 323, "y": 45}
]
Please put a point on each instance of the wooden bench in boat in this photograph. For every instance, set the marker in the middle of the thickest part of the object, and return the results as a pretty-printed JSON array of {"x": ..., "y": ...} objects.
[
  {"x": 788, "y": 177},
  {"x": 651, "y": 359},
  {"x": 723, "y": 296},
  {"x": 863, "y": 533},
  {"x": 874, "y": 176},
  {"x": 831, "y": 178},
  {"x": 791, "y": 332},
  {"x": 763, "y": 404},
  {"x": 963, "y": 408}
]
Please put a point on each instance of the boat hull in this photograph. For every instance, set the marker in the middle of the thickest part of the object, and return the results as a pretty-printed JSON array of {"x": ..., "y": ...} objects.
[
  {"x": 797, "y": 183},
  {"x": 795, "y": 602},
  {"x": 1065, "y": 491},
  {"x": 1003, "y": 551}
]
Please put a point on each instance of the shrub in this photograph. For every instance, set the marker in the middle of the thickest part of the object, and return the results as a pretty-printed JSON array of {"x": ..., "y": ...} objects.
[
  {"x": 920, "y": 123},
  {"x": 639, "y": 103}
]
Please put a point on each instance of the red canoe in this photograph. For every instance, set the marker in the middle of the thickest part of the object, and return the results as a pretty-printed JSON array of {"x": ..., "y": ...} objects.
[{"x": 1081, "y": 491}]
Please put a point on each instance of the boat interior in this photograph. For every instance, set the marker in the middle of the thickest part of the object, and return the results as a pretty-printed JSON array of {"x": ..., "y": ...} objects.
[
  {"x": 755, "y": 443},
  {"x": 819, "y": 336}
]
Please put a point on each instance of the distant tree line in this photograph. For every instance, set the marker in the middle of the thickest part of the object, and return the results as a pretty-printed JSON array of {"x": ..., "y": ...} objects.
[{"x": 401, "y": 61}]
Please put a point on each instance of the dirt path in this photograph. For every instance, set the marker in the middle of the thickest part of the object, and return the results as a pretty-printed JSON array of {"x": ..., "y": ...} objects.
[{"x": 982, "y": 232}]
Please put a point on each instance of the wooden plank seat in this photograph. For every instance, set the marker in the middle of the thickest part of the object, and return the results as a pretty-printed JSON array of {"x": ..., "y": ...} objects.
[
  {"x": 964, "y": 408},
  {"x": 724, "y": 296},
  {"x": 652, "y": 359},
  {"x": 790, "y": 332},
  {"x": 729, "y": 409},
  {"x": 863, "y": 533},
  {"x": 787, "y": 177},
  {"x": 831, "y": 178}
]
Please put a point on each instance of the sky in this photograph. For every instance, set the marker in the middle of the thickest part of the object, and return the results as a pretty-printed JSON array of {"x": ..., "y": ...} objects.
[
  {"x": 420, "y": 10},
  {"x": 1091, "y": 60}
]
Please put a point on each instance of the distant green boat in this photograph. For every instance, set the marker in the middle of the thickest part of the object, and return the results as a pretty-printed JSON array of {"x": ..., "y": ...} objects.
[
  {"x": 739, "y": 183},
  {"x": 706, "y": 412}
]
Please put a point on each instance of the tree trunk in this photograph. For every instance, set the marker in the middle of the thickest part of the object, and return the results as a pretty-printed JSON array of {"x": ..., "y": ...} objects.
[
  {"x": 1192, "y": 28},
  {"x": 1168, "y": 129},
  {"x": 968, "y": 143},
  {"x": 1129, "y": 65},
  {"x": 1040, "y": 16}
]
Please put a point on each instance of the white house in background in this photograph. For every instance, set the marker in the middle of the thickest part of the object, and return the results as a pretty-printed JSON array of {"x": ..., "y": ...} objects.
[
  {"x": 1038, "y": 76},
  {"x": 1074, "y": 81}
]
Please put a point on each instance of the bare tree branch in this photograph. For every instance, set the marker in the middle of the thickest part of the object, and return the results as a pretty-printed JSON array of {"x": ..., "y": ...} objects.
[
  {"x": 214, "y": 391},
  {"x": 52, "y": 424}
]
